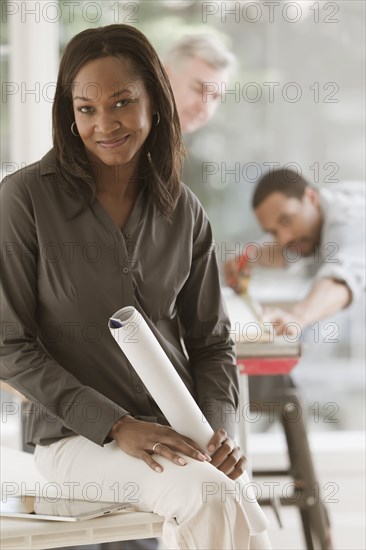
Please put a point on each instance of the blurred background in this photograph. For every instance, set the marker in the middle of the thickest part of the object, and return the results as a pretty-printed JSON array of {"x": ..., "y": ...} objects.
[{"x": 296, "y": 98}]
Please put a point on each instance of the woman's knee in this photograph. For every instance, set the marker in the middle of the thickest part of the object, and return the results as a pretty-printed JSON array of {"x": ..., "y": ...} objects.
[{"x": 197, "y": 485}]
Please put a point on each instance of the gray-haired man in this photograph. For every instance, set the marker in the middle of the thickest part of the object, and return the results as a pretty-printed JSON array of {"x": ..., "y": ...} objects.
[{"x": 198, "y": 67}]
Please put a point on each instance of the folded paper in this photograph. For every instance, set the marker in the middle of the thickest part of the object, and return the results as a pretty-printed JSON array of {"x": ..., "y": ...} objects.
[{"x": 156, "y": 371}]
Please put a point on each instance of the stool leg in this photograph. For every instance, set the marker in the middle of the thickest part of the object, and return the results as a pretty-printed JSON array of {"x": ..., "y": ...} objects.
[
  {"x": 306, "y": 528},
  {"x": 313, "y": 514}
]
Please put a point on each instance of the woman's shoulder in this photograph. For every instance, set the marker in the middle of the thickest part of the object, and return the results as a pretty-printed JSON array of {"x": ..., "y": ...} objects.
[
  {"x": 30, "y": 175},
  {"x": 29, "y": 186},
  {"x": 188, "y": 200},
  {"x": 190, "y": 215}
]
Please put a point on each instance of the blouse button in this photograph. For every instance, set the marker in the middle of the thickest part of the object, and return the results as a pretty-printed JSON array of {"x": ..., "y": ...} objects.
[{"x": 125, "y": 270}]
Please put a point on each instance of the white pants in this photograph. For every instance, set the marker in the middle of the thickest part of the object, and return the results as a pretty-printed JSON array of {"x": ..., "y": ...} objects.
[{"x": 197, "y": 516}]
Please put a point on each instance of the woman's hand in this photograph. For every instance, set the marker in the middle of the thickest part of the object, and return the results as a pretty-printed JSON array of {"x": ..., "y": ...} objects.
[
  {"x": 226, "y": 455},
  {"x": 138, "y": 438}
]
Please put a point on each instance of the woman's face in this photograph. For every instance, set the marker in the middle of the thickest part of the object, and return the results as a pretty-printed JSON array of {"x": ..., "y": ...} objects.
[{"x": 113, "y": 111}]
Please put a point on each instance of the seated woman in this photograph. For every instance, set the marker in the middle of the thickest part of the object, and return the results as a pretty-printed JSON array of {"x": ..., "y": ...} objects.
[{"x": 99, "y": 223}]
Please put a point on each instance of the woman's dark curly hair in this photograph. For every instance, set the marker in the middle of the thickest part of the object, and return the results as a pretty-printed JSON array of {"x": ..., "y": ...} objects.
[{"x": 161, "y": 162}]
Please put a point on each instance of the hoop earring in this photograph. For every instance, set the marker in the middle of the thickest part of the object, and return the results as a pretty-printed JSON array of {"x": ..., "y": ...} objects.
[
  {"x": 157, "y": 118},
  {"x": 72, "y": 130}
]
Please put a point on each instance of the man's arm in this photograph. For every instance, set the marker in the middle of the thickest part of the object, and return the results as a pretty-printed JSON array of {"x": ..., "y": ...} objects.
[{"x": 326, "y": 297}]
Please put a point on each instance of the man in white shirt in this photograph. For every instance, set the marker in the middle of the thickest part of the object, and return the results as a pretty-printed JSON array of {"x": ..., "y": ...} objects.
[{"x": 326, "y": 225}]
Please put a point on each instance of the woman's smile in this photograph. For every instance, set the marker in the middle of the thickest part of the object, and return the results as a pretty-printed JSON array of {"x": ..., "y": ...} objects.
[{"x": 113, "y": 143}]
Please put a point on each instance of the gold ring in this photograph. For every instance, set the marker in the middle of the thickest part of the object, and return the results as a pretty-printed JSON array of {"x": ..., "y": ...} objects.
[{"x": 154, "y": 447}]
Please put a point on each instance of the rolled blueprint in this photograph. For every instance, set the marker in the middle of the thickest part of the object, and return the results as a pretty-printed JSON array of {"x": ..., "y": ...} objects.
[{"x": 151, "y": 363}]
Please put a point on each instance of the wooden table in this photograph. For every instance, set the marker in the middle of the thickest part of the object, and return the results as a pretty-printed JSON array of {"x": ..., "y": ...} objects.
[{"x": 260, "y": 354}]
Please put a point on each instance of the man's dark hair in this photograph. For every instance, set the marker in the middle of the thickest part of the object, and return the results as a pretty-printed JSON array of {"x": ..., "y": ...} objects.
[{"x": 283, "y": 180}]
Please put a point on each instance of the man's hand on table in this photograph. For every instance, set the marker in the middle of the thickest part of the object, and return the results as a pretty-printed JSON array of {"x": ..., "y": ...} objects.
[
  {"x": 326, "y": 297},
  {"x": 285, "y": 323}
]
